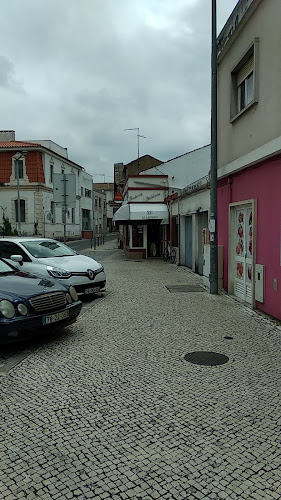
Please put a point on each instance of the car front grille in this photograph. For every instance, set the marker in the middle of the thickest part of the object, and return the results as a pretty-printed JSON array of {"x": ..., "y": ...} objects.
[{"x": 48, "y": 301}]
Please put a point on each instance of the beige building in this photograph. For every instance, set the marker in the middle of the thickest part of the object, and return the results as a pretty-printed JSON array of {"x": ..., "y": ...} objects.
[
  {"x": 249, "y": 89},
  {"x": 104, "y": 191}
]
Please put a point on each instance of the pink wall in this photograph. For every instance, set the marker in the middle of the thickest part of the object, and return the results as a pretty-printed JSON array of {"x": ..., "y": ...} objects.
[{"x": 262, "y": 183}]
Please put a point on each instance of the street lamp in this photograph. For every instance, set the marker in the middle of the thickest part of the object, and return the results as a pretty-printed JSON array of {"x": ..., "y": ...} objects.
[
  {"x": 137, "y": 128},
  {"x": 213, "y": 171},
  {"x": 22, "y": 154}
]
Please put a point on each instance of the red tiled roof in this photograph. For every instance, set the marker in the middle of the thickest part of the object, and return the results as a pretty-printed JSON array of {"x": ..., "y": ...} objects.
[
  {"x": 34, "y": 166},
  {"x": 17, "y": 144}
]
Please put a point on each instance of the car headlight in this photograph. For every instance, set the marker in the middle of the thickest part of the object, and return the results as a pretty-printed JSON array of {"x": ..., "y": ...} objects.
[
  {"x": 57, "y": 272},
  {"x": 73, "y": 293},
  {"x": 7, "y": 309},
  {"x": 99, "y": 270},
  {"x": 22, "y": 309},
  {"x": 68, "y": 298}
]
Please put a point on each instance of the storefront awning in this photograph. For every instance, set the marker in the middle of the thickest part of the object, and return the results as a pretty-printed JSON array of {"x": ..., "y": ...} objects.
[{"x": 142, "y": 212}]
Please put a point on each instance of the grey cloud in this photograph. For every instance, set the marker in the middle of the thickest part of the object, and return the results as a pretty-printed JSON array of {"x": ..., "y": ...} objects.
[
  {"x": 93, "y": 68},
  {"x": 8, "y": 79}
]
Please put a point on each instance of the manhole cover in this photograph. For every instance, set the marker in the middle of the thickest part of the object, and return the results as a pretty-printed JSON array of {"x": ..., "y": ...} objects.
[
  {"x": 184, "y": 288},
  {"x": 206, "y": 358}
]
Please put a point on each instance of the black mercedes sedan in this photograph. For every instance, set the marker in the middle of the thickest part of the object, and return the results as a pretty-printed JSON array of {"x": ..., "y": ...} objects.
[{"x": 31, "y": 304}]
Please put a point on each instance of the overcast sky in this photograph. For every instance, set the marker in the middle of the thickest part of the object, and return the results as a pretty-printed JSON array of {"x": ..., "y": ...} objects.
[{"x": 79, "y": 72}]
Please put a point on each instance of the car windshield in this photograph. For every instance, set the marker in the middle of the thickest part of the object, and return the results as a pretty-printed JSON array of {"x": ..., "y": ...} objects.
[
  {"x": 5, "y": 268},
  {"x": 50, "y": 248}
]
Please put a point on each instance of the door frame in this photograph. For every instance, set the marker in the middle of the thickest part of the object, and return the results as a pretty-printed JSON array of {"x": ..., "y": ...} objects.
[{"x": 231, "y": 241}]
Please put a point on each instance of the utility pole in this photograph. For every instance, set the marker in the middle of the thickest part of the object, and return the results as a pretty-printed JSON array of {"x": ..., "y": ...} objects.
[
  {"x": 18, "y": 189},
  {"x": 64, "y": 207},
  {"x": 17, "y": 158},
  {"x": 213, "y": 173}
]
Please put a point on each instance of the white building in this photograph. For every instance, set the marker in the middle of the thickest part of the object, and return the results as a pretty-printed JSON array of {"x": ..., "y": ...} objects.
[{"x": 38, "y": 161}]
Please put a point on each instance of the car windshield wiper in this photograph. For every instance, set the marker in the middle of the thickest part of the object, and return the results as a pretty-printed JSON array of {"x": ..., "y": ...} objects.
[{"x": 5, "y": 273}]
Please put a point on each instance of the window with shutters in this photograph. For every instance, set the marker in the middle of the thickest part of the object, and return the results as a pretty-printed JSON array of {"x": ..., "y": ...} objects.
[
  {"x": 244, "y": 79},
  {"x": 245, "y": 84}
]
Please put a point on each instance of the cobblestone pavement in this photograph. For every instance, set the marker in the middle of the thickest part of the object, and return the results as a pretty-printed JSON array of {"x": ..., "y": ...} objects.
[{"x": 111, "y": 410}]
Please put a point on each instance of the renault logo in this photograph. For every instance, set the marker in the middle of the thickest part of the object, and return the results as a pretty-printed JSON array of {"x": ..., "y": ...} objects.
[{"x": 90, "y": 274}]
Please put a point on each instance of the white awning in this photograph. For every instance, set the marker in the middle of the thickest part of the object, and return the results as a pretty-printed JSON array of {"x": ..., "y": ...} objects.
[{"x": 142, "y": 212}]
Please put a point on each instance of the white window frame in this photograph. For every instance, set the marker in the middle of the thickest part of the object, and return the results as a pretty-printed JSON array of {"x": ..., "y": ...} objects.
[{"x": 14, "y": 173}]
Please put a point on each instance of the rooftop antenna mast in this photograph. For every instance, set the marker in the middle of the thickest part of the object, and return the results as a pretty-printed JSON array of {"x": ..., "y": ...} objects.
[{"x": 138, "y": 135}]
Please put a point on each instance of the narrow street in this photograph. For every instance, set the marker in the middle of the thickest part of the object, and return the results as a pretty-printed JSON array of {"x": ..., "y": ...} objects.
[{"x": 111, "y": 409}]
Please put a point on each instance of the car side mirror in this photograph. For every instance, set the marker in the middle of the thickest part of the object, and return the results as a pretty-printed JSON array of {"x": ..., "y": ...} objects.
[{"x": 17, "y": 258}]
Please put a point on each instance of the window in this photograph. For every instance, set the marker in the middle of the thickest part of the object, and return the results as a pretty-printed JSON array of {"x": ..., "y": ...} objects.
[
  {"x": 104, "y": 204},
  {"x": 99, "y": 202},
  {"x": 22, "y": 210},
  {"x": 244, "y": 82},
  {"x": 7, "y": 248},
  {"x": 51, "y": 172},
  {"x": 53, "y": 212},
  {"x": 86, "y": 219},
  {"x": 96, "y": 202},
  {"x": 137, "y": 235},
  {"x": 73, "y": 215},
  {"x": 18, "y": 165},
  {"x": 82, "y": 191},
  {"x": 88, "y": 193}
]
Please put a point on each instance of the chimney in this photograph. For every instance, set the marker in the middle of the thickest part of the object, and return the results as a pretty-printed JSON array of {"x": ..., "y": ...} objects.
[{"x": 7, "y": 135}]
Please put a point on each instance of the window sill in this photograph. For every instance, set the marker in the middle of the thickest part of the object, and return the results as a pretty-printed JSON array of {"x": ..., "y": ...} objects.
[{"x": 243, "y": 110}]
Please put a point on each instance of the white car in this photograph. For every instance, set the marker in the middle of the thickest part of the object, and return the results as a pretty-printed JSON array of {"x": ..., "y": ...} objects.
[{"x": 51, "y": 258}]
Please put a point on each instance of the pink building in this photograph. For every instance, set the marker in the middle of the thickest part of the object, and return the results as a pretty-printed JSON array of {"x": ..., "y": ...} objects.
[{"x": 249, "y": 154}]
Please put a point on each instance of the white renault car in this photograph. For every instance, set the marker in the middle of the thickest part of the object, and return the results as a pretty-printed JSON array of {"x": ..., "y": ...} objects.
[{"x": 47, "y": 257}]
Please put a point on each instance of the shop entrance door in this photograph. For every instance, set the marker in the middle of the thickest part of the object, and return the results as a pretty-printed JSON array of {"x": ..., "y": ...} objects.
[
  {"x": 153, "y": 240},
  {"x": 243, "y": 251}
]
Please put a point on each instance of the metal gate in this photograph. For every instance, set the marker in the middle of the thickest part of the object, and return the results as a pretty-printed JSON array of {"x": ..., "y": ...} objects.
[
  {"x": 202, "y": 223},
  {"x": 188, "y": 241}
]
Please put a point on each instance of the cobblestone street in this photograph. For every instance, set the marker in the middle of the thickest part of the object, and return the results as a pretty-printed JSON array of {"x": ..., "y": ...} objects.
[{"x": 110, "y": 409}]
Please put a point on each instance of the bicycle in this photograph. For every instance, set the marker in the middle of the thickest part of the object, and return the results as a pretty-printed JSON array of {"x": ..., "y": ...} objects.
[{"x": 169, "y": 253}]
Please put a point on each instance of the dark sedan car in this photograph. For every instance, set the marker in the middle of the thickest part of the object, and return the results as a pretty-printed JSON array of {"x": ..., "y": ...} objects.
[{"x": 30, "y": 304}]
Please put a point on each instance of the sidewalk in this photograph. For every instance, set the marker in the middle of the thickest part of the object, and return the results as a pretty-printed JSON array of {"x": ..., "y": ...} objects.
[{"x": 112, "y": 410}]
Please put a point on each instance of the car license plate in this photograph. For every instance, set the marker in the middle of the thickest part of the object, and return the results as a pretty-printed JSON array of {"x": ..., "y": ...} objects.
[
  {"x": 47, "y": 320},
  {"x": 92, "y": 290}
]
